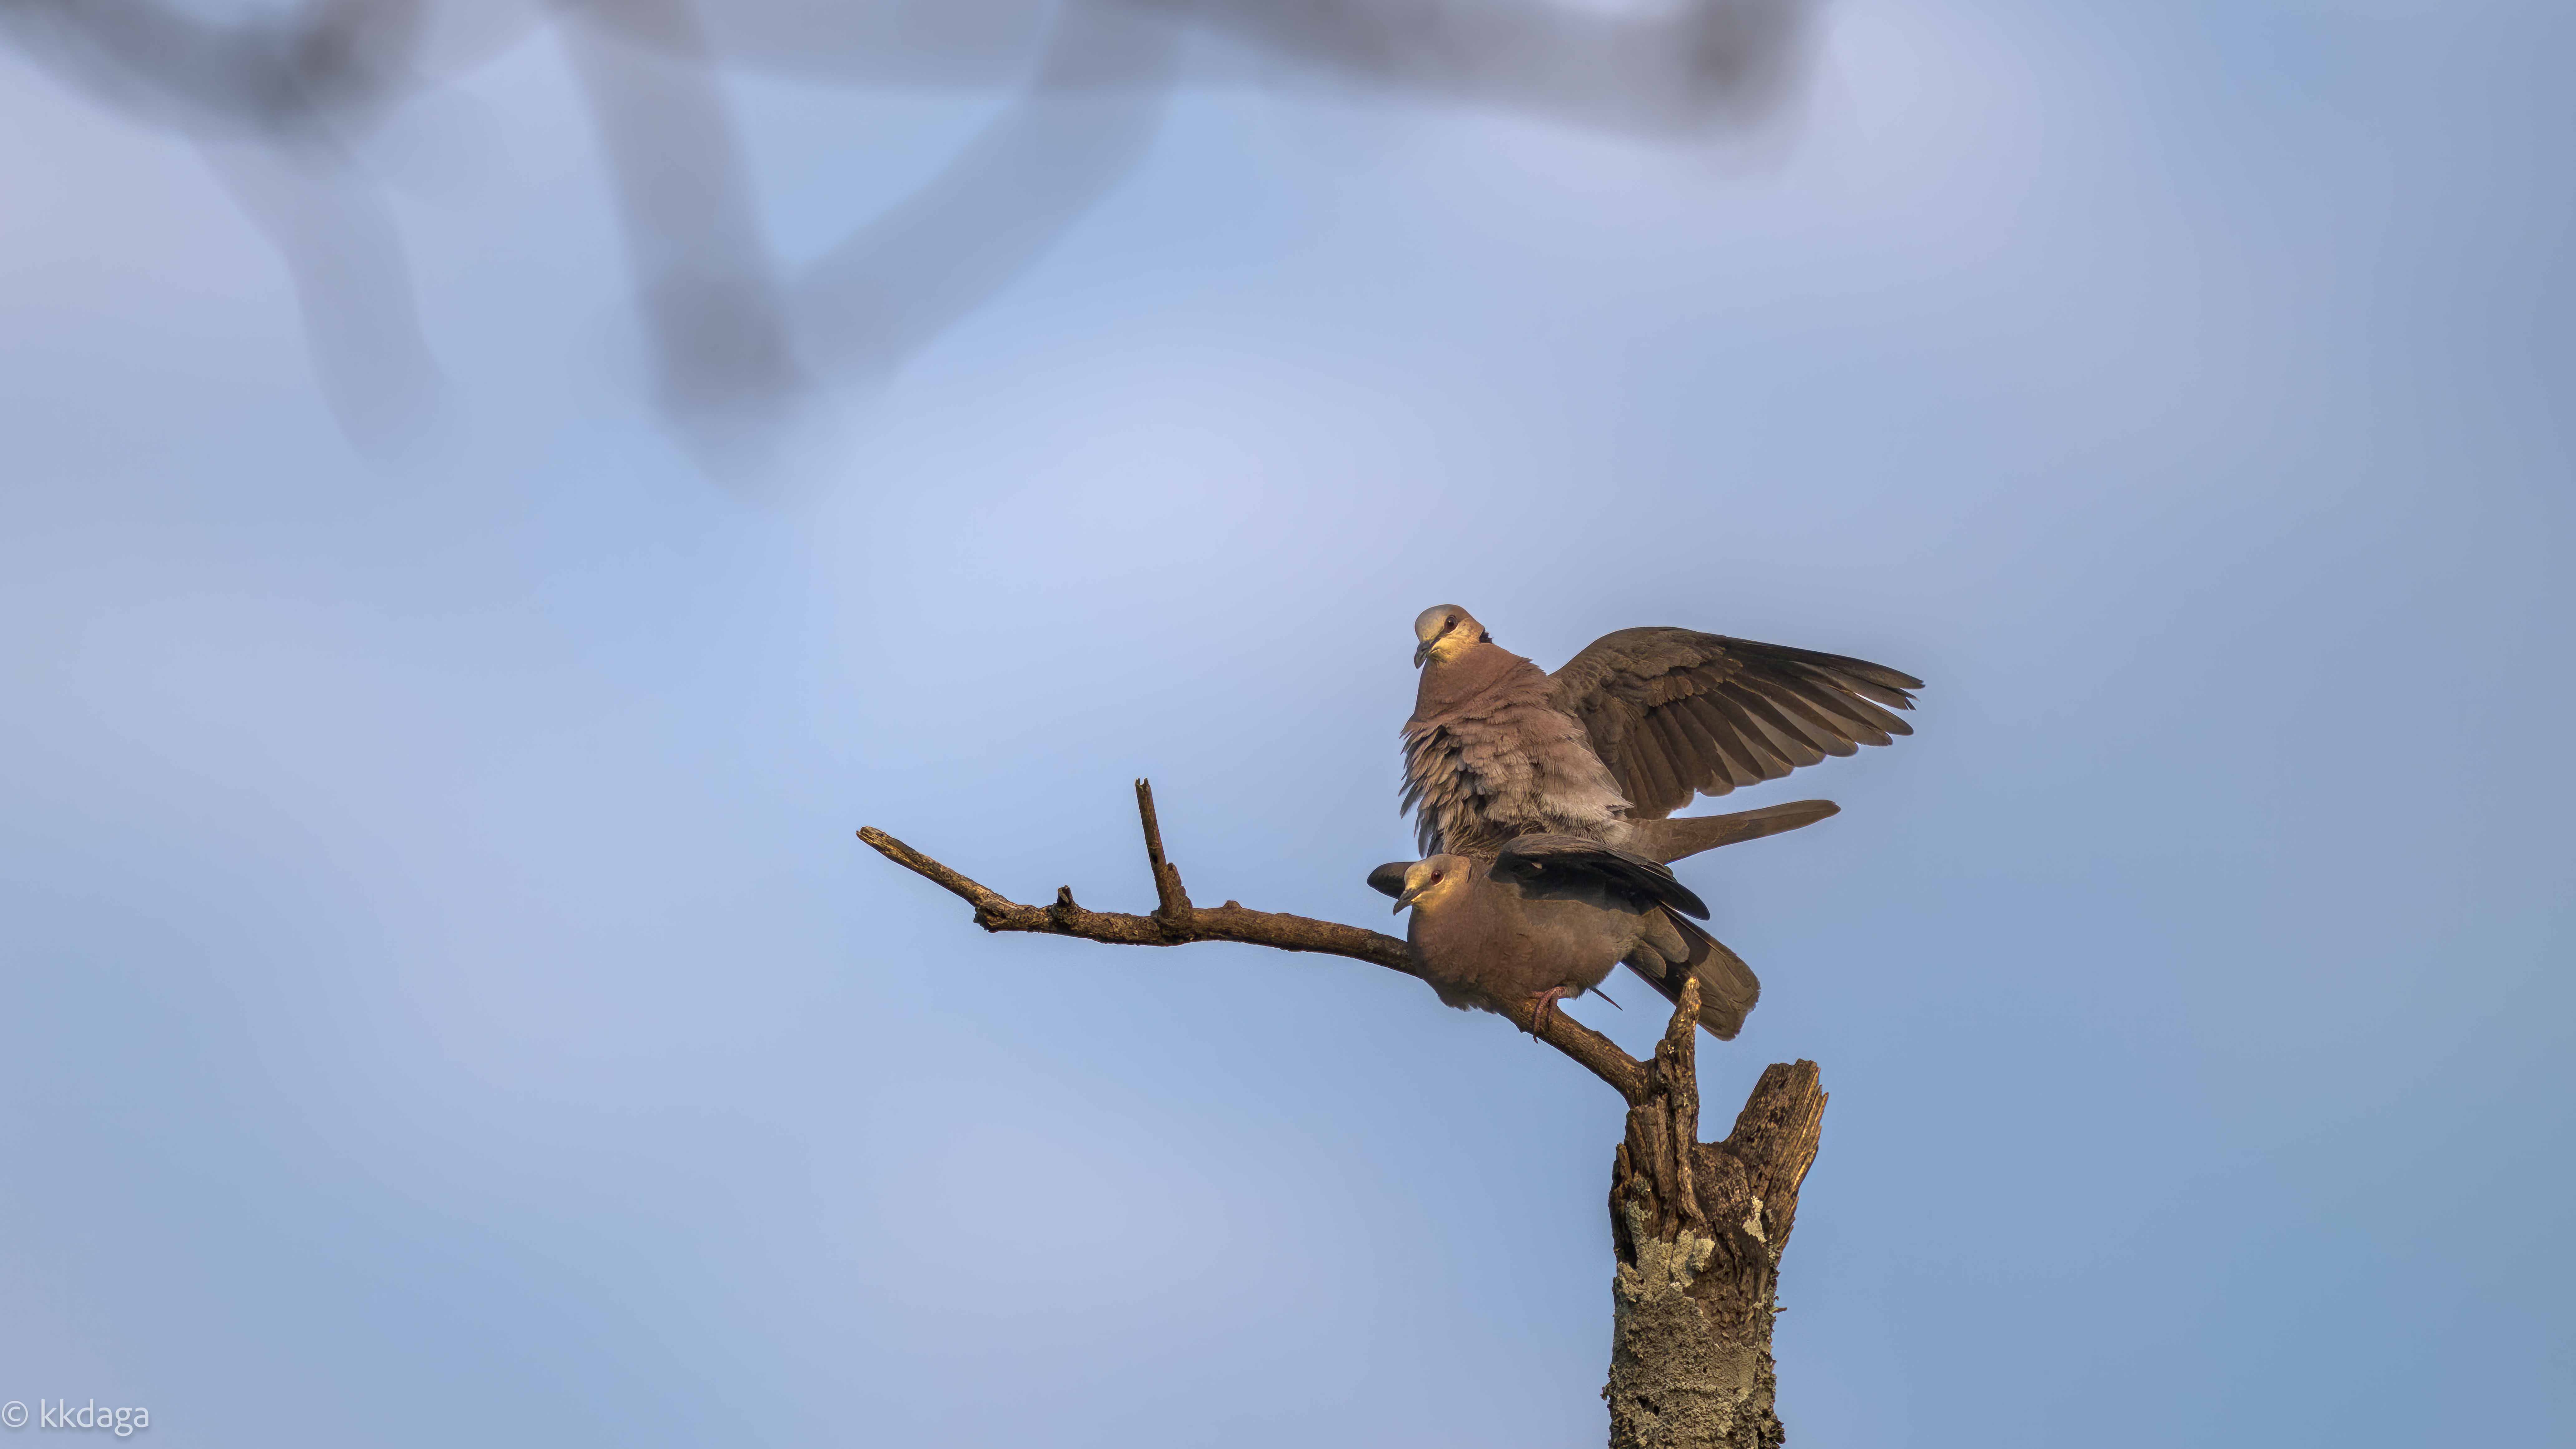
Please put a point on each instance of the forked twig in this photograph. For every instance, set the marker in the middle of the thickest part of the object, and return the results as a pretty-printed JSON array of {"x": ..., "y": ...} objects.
[{"x": 1176, "y": 922}]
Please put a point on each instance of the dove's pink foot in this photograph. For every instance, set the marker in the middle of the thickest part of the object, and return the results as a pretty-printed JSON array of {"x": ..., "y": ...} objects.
[{"x": 1545, "y": 1006}]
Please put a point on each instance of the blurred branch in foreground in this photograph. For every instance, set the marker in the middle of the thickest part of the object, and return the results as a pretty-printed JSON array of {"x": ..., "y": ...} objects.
[{"x": 277, "y": 94}]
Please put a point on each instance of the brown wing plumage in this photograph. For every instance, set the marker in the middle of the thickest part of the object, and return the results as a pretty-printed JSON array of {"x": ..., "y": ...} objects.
[{"x": 1675, "y": 713}]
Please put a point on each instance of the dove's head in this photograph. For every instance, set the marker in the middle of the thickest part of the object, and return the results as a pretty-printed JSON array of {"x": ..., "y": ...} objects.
[
  {"x": 1445, "y": 631},
  {"x": 1434, "y": 883}
]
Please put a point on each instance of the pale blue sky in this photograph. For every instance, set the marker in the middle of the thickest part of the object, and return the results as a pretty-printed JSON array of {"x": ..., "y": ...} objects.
[{"x": 444, "y": 1001}]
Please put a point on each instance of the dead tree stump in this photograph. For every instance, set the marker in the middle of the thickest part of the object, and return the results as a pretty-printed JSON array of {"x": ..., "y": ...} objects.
[{"x": 1698, "y": 1228}]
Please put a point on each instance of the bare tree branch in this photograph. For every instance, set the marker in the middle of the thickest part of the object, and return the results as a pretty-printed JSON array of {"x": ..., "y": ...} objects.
[{"x": 1176, "y": 922}]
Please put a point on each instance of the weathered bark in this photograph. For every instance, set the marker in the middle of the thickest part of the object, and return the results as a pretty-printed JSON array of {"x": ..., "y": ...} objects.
[{"x": 1697, "y": 1226}]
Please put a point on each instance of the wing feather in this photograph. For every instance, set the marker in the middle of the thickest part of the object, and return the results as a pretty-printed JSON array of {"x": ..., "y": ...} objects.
[
  {"x": 1635, "y": 875},
  {"x": 1837, "y": 713},
  {"x": 1673, "y": 764},
  {"x": 1793, "y": 744},
  {"x": 1740, "y": 765},
  {"x": 1675, "y": 713},
  {"x": 1751, "y": 737},
  {"x": 1844, "y": 696},
  {"x": 1815, "y": 725},
  {"x": 1728, "y": 988}
]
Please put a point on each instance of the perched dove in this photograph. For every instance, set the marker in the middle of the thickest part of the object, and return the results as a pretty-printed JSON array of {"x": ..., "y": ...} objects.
[
  {"x": 1625, "y": 734},
  {"x": 1547, "y": 916}
]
